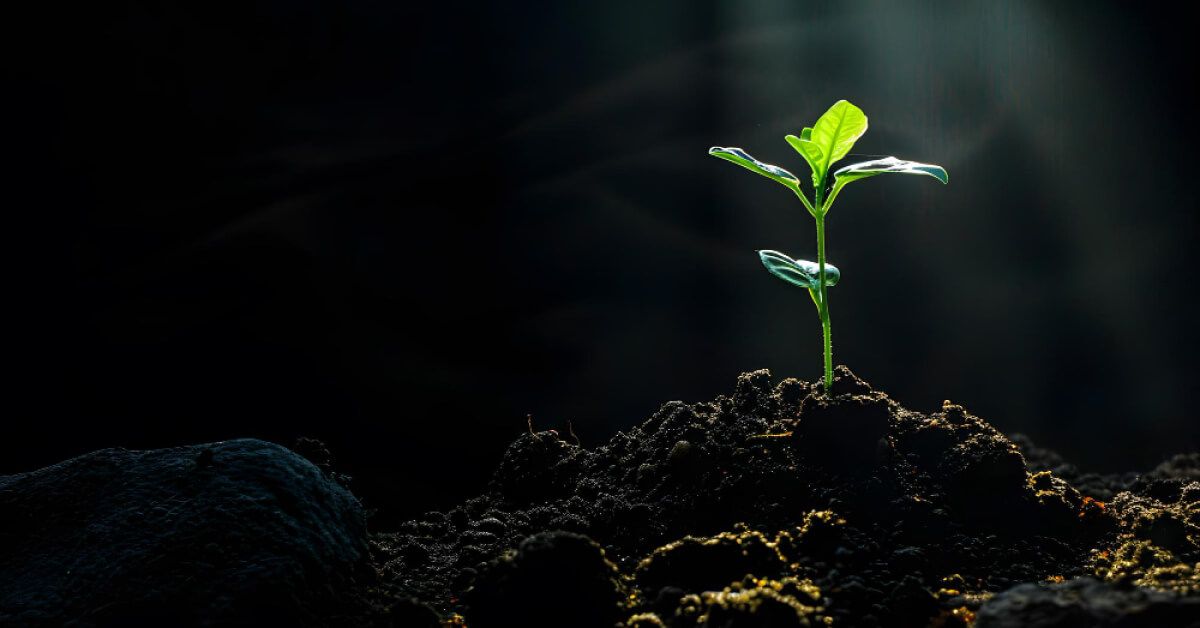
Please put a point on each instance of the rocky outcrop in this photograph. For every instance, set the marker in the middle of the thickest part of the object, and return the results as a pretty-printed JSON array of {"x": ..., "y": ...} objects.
[{"x": 241, "y": 532}]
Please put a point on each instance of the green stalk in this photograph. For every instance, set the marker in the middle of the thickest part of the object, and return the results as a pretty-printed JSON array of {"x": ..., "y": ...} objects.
[{"x": 823, "y": 306}]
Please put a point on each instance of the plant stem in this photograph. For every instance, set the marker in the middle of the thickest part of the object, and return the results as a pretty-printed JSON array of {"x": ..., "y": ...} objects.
[{"x": 823, "y": 307}]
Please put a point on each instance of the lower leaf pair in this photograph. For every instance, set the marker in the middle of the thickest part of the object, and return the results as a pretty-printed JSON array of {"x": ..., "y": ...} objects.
[{"x": 800, "y": 272}]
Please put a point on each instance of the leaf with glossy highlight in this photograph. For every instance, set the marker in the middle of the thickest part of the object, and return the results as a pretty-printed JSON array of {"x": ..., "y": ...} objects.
[
  {"x": 799, "y": 272},
  {"x": 743, "y": 159},
  {"x": 886, "y": 165}
]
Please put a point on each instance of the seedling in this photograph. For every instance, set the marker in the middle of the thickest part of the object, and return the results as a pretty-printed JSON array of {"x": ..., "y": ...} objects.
[{"x": 822, "y": 145}]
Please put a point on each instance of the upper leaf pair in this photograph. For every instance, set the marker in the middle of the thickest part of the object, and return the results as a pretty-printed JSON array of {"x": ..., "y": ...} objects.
[{"x": 822, "y": 145}]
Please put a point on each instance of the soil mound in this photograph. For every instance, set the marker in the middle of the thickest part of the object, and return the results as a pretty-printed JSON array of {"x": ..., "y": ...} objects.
[{"x": 781, "y": 505}]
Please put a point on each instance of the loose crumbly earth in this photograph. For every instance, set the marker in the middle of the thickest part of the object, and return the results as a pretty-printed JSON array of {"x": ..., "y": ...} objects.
[{"x": 781, "y": 505}]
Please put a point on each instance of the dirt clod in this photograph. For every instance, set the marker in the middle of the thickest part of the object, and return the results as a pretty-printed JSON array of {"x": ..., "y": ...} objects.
[{"x": 551, "y": 579}]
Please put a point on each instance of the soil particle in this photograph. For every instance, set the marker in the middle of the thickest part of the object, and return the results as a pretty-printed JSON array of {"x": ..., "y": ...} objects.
[{"x": 785, "y": 505}]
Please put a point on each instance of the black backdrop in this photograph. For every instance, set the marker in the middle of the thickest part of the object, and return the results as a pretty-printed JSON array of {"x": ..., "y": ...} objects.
[{"x": 400, "y": 227}]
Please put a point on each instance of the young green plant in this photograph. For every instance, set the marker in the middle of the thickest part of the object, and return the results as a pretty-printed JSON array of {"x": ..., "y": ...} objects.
[{"x": 822, "y": 145}]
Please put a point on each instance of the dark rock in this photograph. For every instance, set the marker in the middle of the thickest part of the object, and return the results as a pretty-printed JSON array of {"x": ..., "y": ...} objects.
[
  {"x": 241, "y": 532},
  {"x": 1087, "y": 602}
]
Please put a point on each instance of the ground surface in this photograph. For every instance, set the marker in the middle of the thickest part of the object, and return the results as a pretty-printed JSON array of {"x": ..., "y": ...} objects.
[
  {"x": 780, "y": 505},
  {"x": 776, "y": 506}
]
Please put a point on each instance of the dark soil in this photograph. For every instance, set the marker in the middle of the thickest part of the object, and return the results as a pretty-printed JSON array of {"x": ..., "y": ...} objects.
[
  {"x": 776, "y": 506},
  {"x": 780, "y": 505}
]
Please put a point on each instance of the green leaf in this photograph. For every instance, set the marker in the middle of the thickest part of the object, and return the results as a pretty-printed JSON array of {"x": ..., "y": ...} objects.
[
  {"x": 886, "y": 165},
  {"x": 743, "y": 159},
  {"x": 799, "y": 272},
  {"x": 836, "y": 132},
  {"x": 808, "y": 150}
]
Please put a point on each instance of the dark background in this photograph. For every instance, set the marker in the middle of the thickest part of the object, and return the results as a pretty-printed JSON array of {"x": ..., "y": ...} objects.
[{"x": 400, "y": 227}]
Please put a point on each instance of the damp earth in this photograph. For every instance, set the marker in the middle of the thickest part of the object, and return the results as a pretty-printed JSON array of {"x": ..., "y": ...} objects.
[{"x": 777, "y": 505}]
